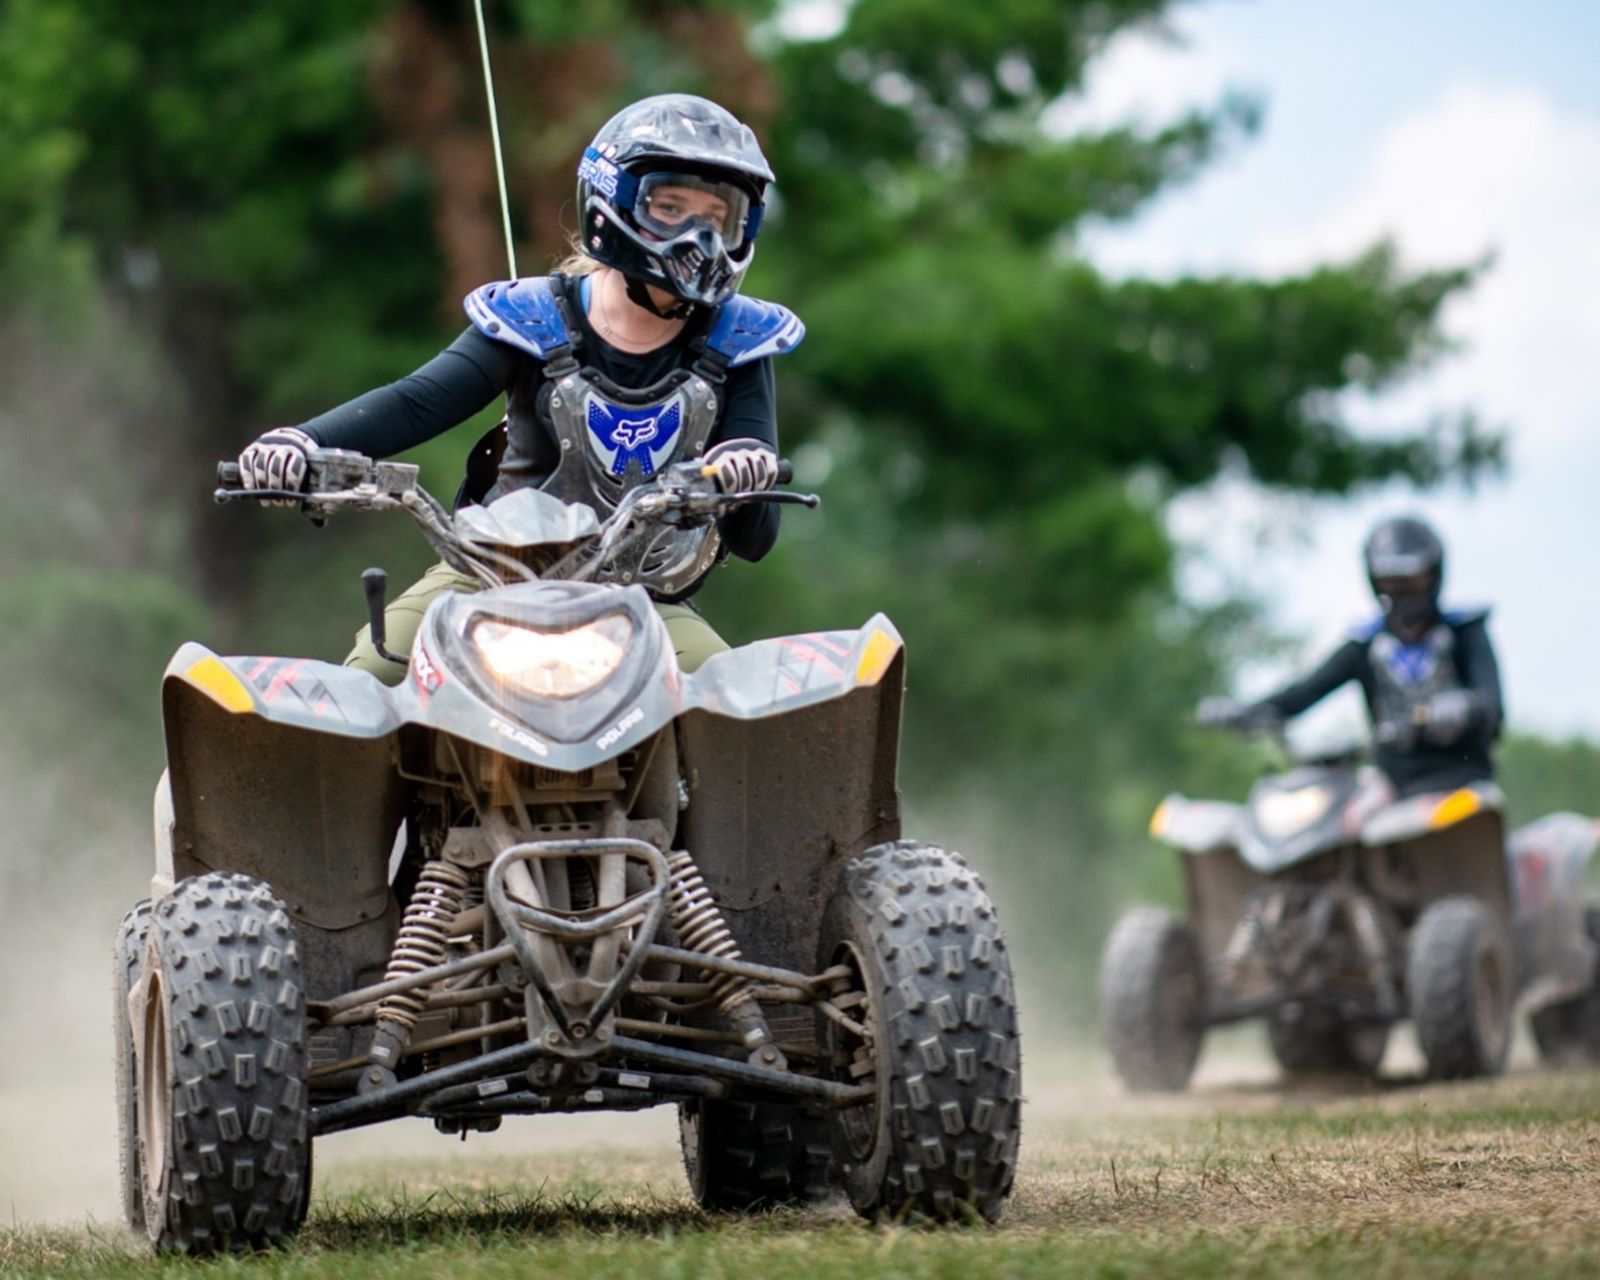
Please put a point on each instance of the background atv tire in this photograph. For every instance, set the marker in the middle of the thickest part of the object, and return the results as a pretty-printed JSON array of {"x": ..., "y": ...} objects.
[
  {"x": 1459, "y": 988},
  {"x": 1568, "y": 1034},
  {"x": 939, "y": 1140},
  {"x": 127, "y": 964},
  {"x": 1152, "y": 1000},
  {"x": 741, "y": 1156},
  {"x": 1314, "y": 1045},
  {"x": 222, "y": 1097}
]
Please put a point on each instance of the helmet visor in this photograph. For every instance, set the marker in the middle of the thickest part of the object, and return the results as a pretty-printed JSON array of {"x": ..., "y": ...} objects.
[{"x": 669, "y": 205}]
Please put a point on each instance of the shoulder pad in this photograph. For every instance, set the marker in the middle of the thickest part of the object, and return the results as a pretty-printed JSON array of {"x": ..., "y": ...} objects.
[
  {"x": 747, "y": 329},
  {"x": 520, "y": 313},
  {"x": 1459, "y": 618},
  {"x": 1367, "y": 630}
]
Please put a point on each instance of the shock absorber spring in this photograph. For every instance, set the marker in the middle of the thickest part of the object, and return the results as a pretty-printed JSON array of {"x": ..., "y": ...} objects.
[
  {"x": 700, "y": 927},
  {"x": 422, "y": 943}
]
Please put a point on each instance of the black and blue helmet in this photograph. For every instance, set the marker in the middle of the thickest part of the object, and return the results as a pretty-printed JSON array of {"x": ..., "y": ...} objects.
[
  {"x": 671, "y": 193},
  {"x": 1405, "y": 565}
]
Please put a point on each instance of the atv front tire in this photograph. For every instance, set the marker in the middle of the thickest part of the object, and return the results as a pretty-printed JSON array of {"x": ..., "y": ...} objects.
[
  {"x": 1568, "y": 1034},
  {"x": 932, "y": 988},
  {"x": 127, "y": 966},
  {"x": 1152, "y": 1000},
  {"x": 1458, "y": 985},
  {"x": 1327, "y": 1045},
  {"x": 222, "y": 1103},
  {"x": 744, "y": 1156}
]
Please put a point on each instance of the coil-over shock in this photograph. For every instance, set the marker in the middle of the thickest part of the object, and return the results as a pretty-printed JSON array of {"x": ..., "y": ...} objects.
[
  {"x": 698, "y": 922},
  {"x": 422, "y": 943}
]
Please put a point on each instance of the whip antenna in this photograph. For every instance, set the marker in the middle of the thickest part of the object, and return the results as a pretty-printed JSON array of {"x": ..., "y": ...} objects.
[{"x": 494, "y": 132}]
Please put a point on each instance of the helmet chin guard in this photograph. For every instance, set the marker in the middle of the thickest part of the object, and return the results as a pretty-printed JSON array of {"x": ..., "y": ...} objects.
[{"x": 695, "y": 266}]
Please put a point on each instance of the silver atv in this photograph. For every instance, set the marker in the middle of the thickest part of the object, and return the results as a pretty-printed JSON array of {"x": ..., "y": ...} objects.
[
  {"x": 549, "y": 872},
  {"x": 1332, "y": 908}
]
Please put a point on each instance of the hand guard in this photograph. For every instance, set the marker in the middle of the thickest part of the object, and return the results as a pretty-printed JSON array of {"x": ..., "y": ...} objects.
[
  {"x": 1449, "y": 715},
  {"x": 1228, "y": 713},
  {"x": 743, "y": 466},
  {"x": 277, "y": 460}
]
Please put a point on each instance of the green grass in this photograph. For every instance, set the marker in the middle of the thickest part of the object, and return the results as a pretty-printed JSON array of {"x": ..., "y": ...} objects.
[{"x": 1488, "y": 1179}]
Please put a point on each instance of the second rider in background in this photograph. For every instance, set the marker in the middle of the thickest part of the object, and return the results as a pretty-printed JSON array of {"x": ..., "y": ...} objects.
[{"x": 1431, "y": 681}]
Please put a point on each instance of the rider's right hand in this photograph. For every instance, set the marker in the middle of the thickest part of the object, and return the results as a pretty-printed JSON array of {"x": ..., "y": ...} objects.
[{"x": 278, "y": 459}]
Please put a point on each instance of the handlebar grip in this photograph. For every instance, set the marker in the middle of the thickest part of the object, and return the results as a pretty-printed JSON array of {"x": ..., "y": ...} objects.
[
  {"x": 785, "y": 471},
  {"x": 228, "y": 476}
]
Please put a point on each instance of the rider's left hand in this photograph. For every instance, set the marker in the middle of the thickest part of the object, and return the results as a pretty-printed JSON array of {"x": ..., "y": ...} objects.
[
  {"x": 1449, "y": 716},
  {"x": 743, "y": 466}
]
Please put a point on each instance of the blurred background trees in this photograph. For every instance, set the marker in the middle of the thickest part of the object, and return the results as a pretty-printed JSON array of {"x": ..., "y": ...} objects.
[{"x": 215, "y": 219}]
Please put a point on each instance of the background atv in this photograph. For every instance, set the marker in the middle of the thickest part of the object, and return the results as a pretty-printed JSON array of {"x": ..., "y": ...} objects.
[
  {"x": 586, "y": 845},
  {"x": 1333, "y": 909}
]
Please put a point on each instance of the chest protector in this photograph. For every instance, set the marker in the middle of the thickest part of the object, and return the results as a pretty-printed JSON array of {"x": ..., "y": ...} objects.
[
  {"x": 613, "y": 438},
  {"x": 1407, "y": 676}
]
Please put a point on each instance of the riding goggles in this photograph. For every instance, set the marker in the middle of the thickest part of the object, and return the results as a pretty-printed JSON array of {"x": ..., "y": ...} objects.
[{"x": 669, "y": 203}]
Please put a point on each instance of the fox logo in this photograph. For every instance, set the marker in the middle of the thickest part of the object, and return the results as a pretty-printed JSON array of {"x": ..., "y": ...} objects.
[
  {"x": 640, "y": 439},
  {"x": 630, "y": 433}
]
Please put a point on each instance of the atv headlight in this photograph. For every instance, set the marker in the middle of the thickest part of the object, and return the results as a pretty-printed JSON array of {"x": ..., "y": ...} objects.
[
  {"x": 553, "y": 664},
  {"x": 1284, "y": 813}
]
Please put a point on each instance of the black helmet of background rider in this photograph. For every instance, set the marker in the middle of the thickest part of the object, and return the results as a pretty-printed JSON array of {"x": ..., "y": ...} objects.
[
  {"x": 672, "y": 140},
  {"x": 1405, "y": 565}
]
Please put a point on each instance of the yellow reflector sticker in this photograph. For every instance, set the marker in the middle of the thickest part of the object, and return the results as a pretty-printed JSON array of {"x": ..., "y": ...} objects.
[
  {"x": 1453, "y": 808},
  {"x": 875, "y": 658},
  {"x": 1160, "y": 819},
  {"x": 221, "y": 684}
]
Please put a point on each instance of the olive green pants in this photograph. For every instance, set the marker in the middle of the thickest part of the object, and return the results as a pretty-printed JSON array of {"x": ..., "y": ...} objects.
[{"x": 692, "y": 638}]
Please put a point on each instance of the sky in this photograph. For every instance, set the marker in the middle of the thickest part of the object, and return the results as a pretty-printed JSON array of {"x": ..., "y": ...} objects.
[{"x": 1457, "y": 129}]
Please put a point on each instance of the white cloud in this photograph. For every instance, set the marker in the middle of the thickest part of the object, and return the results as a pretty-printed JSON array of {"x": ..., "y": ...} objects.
[{"x": 1147, "y": 75}]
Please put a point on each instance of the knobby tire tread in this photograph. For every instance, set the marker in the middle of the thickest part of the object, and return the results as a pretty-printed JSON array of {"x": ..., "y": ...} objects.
[
  {"x": 932, "y": 942},
  {"x": 1441, "y": 973},
  {"x": 1152, "y": 1051},
  {"x": 238, "y": 1173},
  {"x": 742, "y": 1157},
  {"x": 127, "y": 964}
]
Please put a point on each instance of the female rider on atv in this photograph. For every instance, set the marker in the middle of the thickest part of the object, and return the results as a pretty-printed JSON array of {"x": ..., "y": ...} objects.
[{"x": 638, "y": 352}]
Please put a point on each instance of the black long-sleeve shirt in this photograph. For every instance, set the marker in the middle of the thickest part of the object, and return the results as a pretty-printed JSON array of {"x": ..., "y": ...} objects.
[
  {"x": 1421, "y": 765},
  {"x": 467, "y": 375}
]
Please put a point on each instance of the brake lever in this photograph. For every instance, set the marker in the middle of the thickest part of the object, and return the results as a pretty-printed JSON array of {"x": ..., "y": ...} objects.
[
  {"x": 779, "y": 496},
  {"x": 260, "y": 495}
]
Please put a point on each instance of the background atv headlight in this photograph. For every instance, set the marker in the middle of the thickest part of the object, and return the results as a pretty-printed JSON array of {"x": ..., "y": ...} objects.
[
  {"x": 553, "y": 664},
  {"x": 1283, "y": 813}
]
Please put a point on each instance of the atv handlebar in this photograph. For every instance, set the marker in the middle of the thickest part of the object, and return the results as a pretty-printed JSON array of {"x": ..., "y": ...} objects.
[
  {"x": 231, "y": 486},
  {"x": 683, "y": 494}
]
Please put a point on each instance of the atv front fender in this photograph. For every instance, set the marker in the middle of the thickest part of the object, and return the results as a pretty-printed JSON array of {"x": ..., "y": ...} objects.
[
  {"x": 789, "y": 748},
  {"x": 1418, "y": 816},
  {"x": 1197, "y": 826},
  {"x": 283, "y": 769}
]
